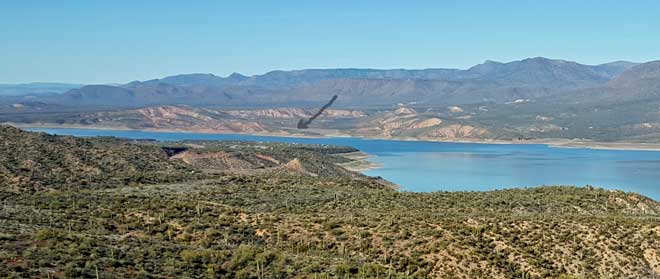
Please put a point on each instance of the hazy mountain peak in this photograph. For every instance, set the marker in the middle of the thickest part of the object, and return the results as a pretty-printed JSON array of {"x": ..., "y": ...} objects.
[
  {"x": 492, "y": 65},
  {"x": 614, "y": 69},
  {"x": 237, "y": 76},
  {"x": 548, "y": 61},
  {"x": 641, "y": 73},
  {"x": 488, "y": 65},
  {"x": 182, "y": 80},
  {"x": 541, "y": 71},
  {"x": 492, "y": 62},
  {"x": 192, "y": 76},
  {"x": 538, "y": 59},
  {"x": 620, "y": 63}
]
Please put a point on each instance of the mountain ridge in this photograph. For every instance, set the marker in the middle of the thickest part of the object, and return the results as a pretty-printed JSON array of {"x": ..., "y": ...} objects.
[
  {"x": 535, "y": 98},
  {"x": 490, "y": 81}
]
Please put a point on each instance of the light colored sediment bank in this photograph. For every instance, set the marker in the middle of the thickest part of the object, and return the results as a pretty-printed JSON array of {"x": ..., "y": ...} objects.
[
  {"x": 359, "y": 161},
  {"x": 610, "y": 145},
  {"x": 319, "y": 133}
]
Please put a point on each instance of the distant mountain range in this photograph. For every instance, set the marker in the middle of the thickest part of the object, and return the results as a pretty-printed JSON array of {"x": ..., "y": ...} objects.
[
  {"x": 488, "y": 82},
  {"x": 536, "y": 98}
]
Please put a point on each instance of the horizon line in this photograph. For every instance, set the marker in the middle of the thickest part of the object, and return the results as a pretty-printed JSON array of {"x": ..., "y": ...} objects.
[{"x": 319, "y": 68}]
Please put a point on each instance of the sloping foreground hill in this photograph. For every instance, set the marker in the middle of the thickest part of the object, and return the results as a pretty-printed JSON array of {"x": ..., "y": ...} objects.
[
  {"x": 302, "y": 227},
  {"x": 293, "y": 225},
  {"x": 37, "y": 161},
  {"x": 248, "y": 157}
]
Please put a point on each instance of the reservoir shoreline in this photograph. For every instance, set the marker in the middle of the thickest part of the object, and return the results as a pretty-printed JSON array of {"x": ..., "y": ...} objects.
[
  {"x": 428, "y": 166},
  {"x": 555, "y": 143}
]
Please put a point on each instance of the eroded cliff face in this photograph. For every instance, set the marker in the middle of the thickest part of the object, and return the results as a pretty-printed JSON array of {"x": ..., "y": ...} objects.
[
  {"x": 405, "y": 111},
  {"x": 175, "y": 118},
  {"x": 393, "y": 125},
  {"x": 170, "y": 113},
  {"x": 406, "y": 122},
  {"x": 427, "y": 123},
  {"x": 272, "y": 113},
  {"x": 399, "y": 122},
  {"x": 457, "y": 131},
  {"x": 287, "y": 113}
]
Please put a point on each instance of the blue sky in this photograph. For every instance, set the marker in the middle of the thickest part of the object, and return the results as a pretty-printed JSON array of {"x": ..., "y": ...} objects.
[{"x": 120, "y": 41}]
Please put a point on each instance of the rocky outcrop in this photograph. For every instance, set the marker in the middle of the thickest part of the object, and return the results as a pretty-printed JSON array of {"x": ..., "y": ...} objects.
[
  {"x": 175, "y": 118},
  {"x": 404, "y": 111},
  {"x": 455, "y": 109},
  {"x": 272, "y": 113},
  {"x": 296, "y": 166},
  {"x": 169, "y": 113},
  {"x": 293, "y": 113},
  {"x": 339, "y": 113},
  {"x": 426, "y": 123},
  {"x": 456, "y": 131},
  {"x": 400, "y": 122}
]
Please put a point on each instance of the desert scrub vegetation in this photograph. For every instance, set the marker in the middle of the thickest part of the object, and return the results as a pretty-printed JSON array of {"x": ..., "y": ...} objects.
[
  {"x": 296, "y": 225},
  {"x": 289, "y": 226},
  {"x": 320, "y": 160},
  {"x": 39, "y": 161}
]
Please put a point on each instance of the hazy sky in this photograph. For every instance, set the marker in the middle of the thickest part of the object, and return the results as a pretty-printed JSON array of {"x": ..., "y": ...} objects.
[{"x": 119, "y": 41}]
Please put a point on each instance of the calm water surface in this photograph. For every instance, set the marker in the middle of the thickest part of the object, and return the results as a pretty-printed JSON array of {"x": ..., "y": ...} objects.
[{"x": 437, "y": 166}]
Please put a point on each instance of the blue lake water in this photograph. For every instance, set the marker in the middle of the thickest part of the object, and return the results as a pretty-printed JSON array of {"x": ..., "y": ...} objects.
[{"x": 438, "y": 166}]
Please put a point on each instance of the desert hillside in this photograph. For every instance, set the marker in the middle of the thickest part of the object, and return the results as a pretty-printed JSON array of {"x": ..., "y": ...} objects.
[{"x": 260, "y": 210}]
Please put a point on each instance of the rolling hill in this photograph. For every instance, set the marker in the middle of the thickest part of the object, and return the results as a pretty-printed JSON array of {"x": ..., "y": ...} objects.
[{"x": 38, "y": 161}]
